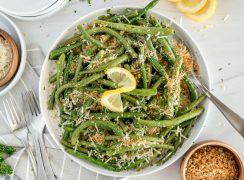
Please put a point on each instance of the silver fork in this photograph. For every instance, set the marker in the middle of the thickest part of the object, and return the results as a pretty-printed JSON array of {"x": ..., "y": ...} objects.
[
  {"x": 16, "y": 123},
  {"x": 234, "y": 119},
  {"x": 32, "y": 111}
]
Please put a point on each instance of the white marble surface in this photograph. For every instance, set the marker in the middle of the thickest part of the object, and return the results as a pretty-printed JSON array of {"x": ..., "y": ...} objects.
[{"x": 220, "y": 41}]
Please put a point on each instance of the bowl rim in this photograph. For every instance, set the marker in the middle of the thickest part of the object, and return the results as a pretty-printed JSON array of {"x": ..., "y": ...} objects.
[
  {"x": 42, "y": 101},
  {"x": 202, "y": 144},
  {"x": 22, "y": 60}
]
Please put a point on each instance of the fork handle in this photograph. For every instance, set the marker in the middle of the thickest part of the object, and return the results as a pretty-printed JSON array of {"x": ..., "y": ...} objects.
[
  {"x": 41, "y": 174},
  {"x": 46, "y": 161},
  {"x": 32, "y": 160},
  {"x": 234, "y": 119}
]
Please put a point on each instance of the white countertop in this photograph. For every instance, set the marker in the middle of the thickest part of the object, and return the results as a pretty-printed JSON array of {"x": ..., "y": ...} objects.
[{"x": 222, "y": 44}]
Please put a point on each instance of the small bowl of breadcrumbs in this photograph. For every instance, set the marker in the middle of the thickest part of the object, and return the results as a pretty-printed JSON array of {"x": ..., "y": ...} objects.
[{"x": 212, "y": 160}]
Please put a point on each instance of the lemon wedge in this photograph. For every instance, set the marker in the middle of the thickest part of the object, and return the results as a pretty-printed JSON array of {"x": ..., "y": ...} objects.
[
  {"x": 125, "y": 80},
  {"x": 174, "y": 0},
  {"x": 190, "y": 6},
  {"x": 112, "y": 100},
  {"x": 205, "y": 13}
]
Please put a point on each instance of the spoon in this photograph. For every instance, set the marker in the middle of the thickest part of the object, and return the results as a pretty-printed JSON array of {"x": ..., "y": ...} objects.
[{"x": 234, "y": 119}]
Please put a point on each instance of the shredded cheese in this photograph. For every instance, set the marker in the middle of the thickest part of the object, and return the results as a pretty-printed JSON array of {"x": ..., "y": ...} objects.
[{"x": 5, "y": 57}]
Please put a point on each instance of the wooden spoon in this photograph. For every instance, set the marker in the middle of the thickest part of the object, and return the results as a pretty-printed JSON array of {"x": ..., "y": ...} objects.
[{"x": 15, "y": 58}]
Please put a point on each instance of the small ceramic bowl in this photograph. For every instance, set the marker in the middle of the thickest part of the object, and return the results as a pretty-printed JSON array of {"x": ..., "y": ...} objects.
[
  {"x": 10, "y": 27},
  {"x": 195, "y": 147},
  {"x": 15, "y": 58}
]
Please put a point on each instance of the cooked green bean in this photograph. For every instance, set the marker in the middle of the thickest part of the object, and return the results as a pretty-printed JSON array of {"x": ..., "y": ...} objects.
[
  {"x": 90, "y": 159},
  {"x": 143, "y": 92},
  {"x": 125, "y": 149},
  {"x": 143, "y": 69},
  {"x": 137, "y": 29},
  {"x": 80, "y": 84},
  {"x": 171, "y": 122},
  {"x": 60, "y": 69},
  {"x": 67, "y": 68},
  {"x": 112, "y": 63},
  {"x": 79, "y": 67},
  {"x": 89, "y": 38},
  {"x": 108, "y": 125},
  {"x": 145, "y": 10}
]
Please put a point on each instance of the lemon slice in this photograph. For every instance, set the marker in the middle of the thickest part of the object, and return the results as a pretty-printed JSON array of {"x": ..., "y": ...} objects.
[
  {"x": 174, "y": 0},
  {"x": 123, "y": 77},
  {"x": 206, "y": 12},
  {"x": 190, "y": 6},
  {"x": 112, "y": 100}
]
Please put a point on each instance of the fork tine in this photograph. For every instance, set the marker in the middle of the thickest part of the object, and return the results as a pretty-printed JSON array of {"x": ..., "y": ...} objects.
[
  {"x": 11, "y": 121},
  {"x": 30, "y": 96},
  {"x": 35, "y": 102},
  {"x": 30, "y": 107},
  {"x": 16, "y": 114}
]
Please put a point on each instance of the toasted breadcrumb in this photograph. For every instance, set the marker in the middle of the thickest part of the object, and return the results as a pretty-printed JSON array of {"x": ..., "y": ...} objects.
[{"x": 212, "y": 163}]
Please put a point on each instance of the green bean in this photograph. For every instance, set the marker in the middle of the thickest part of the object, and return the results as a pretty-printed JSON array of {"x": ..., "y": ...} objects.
[
  {"x": 60, "y": 69},
  {"x": 173, "y": 90},
  {"x": 120, "y": 51},
  {"x": 90, "y": 39},
  {"x": 143, "y": 69},
  {"x": 131, "y": 166},
  {"x": 52, "y": 78},
  {"x": 145, "y": 10},
  {"x": 143, "y": 92},
  {"x": 134, "y": 101},
  {"x": 80, "y": 84},
  {"x": 90, "y": 159},
  {"x": 122, "y": 125},
  {"x": 191, "y": 87},
  {"x": 112, "y": 63},
  {"x": 125, "y": 149},
  {"x": 55, "y": 53},
  {"x": 147, "y": 138},
  {"x": 109, "y": 83},
  {"x": 149, "y": 74},
  {"x": 193, "y": 104},
  {"x": 126, "y": 16},
  {"x": 93, "y": 49},
  {"x": 177, "y": 144},
  {"x": 70, "y": 41},
  {"x": 51, "y": 100},
  {"x": 108, "y": 125},
  {"x": 98, "y": 57},
  {"x": 92, "y": 145},
  {"x": 154, "y": 60},
  {"x": 78, "y": 69},
  {"x": 158, "y": 83},
  {"x": 124, "y": 115},
  {"x": 166, "y": 131},
  {"x": 187, "y": 80},
  {"x": 67, "y": 68},
  {"x": 171, "y": 122},
  {"x": 67, "y": 144},
  {"x": 137, "y": 29},
  {"x": 167, "y": 49},
  {"x": 120, "y": 39}
]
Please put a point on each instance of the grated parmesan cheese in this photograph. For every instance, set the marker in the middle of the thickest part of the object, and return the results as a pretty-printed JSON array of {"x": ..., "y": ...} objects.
[{"x": 5, "y": 57}]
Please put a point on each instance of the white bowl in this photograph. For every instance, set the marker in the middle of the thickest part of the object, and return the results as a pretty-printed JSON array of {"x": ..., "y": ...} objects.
[
  {"x": 9, "y": 26},
  {"x": 52, "y": 124}
]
